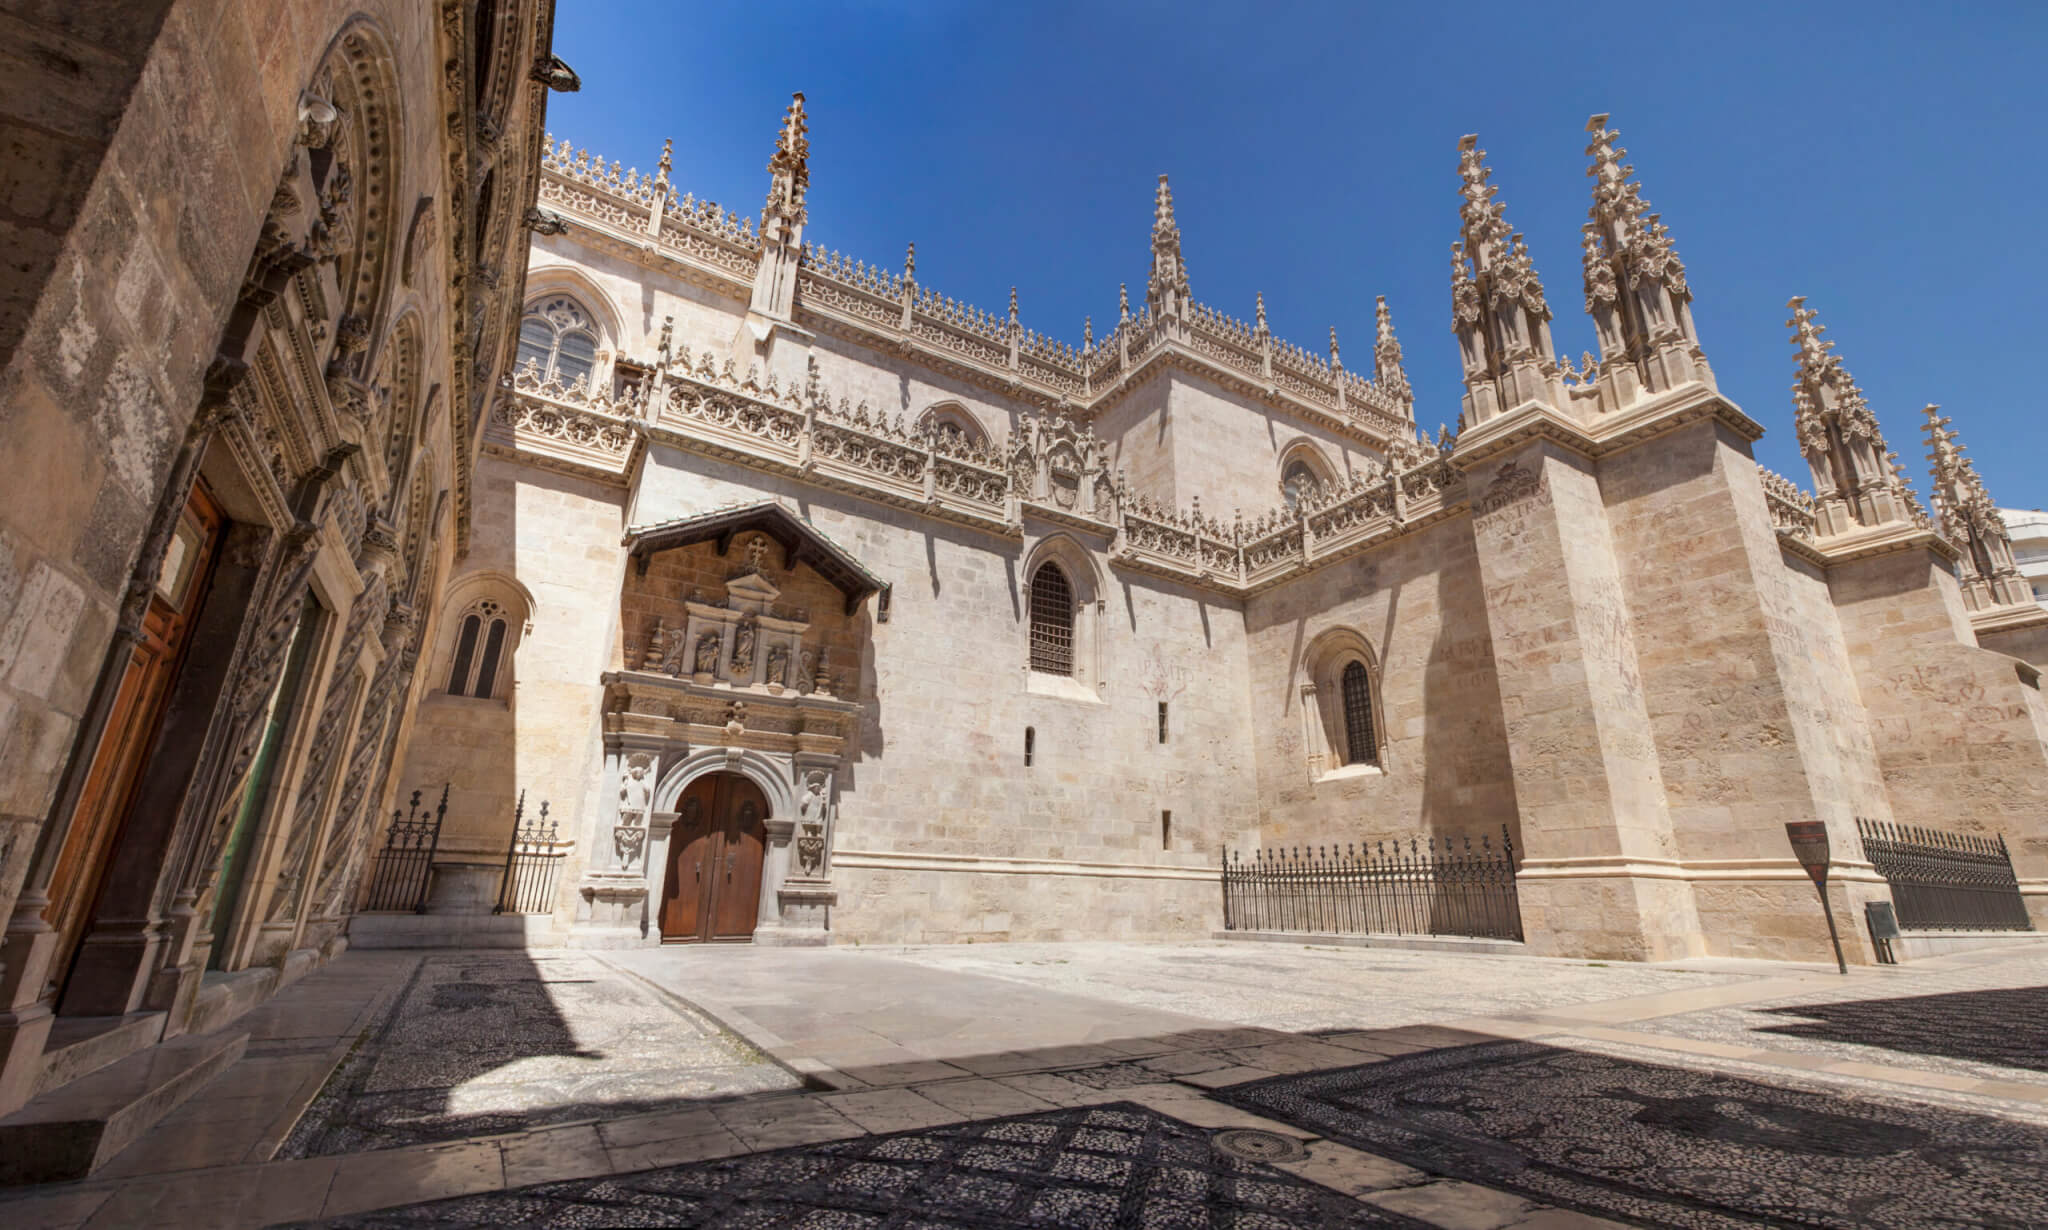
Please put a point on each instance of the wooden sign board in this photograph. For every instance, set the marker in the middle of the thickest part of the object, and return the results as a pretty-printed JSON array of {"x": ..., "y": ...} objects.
[{"x": 1810, "y": 847}]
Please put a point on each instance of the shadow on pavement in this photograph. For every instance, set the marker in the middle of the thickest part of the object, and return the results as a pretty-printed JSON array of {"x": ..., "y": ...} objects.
[{"x": 2007, "y": 1027}]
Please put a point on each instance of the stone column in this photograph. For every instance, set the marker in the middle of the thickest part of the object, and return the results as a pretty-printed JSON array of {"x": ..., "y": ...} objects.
[{"x": 1599, "y": 876}]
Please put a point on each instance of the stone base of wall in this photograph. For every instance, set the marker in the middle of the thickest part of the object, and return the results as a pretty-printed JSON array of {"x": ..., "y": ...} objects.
[
  {"x": 898, "y": 906},
  {"x": 1920, "y": 945},
  {"x": 1609, "y": 916}
]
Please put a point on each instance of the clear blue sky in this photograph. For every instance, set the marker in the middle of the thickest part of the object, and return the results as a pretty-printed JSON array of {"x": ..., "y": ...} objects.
[{"x": 1885, "y": 160}]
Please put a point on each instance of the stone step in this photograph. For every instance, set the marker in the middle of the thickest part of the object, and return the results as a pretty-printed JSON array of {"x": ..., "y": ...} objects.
[
  {"x": 82, "y": 1045},
  {"x": 68, "y": 1133},
  {"x": 453, "y": 931}
]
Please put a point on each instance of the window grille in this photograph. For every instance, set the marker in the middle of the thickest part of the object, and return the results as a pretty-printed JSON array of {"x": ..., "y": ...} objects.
[
  {"x": 1162, "y": 721},
  {"x": 1052, "y": 621},
  {"x": 1359, "y": 747}
]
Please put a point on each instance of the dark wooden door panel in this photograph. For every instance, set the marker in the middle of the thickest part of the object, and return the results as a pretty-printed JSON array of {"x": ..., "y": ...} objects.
[
  {"x": 713, "y": 885},
  {"x": 739, "y": 867},
  {"x": 686, "y": 890}
]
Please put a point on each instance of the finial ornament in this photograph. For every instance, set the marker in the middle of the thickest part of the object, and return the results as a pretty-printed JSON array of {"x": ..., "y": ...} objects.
[
  {"x": 1261, "y": 317},
  {"x": 1854, "y": 486},
  {"x": 790, "y": 170},
  {"x": 910, "y": 262},
  {"x": 1627, "y": 257},
  {"x": 1087, "y": 334},
  {"x": 1969, "y": 518},
  {"x": 662, "y": 168},
  {"x": 1167, "y": 291},
  {"x": 1498, "y": 309},
  {"x": 1336, "y": 355},
  {"x": 1387, "y": 371},
  {"x": 1123, "y": 301},
  {"x": 1013, "y": 305}
]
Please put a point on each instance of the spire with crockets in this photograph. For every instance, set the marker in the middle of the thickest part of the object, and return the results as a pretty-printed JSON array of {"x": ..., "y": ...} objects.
[
  {"x": 1970, "y": 519},
  {"x": 1167, "y": 293},
  {"x": 1636, "y": 290},
  {"x": 782, "y": 220},
  {"x": 1497, "y": 306},
  {"x": 1854, "y": 486},
  {"x": 1387, "y": 371}
]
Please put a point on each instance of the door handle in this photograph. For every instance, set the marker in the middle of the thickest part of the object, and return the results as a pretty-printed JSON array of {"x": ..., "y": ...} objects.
[{"x": 700, "y": 870}]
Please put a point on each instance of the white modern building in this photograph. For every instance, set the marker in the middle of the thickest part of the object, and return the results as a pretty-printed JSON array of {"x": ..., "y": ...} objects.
[{"x": 2029, "y": 530}]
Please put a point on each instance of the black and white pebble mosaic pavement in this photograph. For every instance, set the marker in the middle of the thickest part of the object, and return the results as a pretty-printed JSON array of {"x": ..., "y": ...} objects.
[
  {"x": 1116, "y": 1165},
  {"x": 1663, "y": 1146}
]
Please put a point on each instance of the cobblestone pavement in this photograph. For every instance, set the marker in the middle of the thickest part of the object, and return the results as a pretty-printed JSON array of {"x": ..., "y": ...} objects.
[
  {"x": 1304, "y": 988},
  {"x": 1987, "y": 1019},
  {"x": 478, "y": 1043},
  {"x": 1669, "y": 1146},
  {"x": 1112, "y": 1165},
  {"x": 1483, "y": 1093}
]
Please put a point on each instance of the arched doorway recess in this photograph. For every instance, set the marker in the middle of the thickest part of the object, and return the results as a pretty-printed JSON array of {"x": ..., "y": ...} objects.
[{"x": 712, "y": 889}]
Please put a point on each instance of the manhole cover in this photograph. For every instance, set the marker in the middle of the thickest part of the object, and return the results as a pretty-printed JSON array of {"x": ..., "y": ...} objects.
[{"x": 1255, "y": 1146}]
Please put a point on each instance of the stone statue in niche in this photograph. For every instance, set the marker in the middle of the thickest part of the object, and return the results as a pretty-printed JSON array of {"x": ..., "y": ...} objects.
[
  {"x": 743, "y": 649},
  {"x": 778, "y": 666},
  {"x": 810, "y": 842},
  {"x": 636, "y": 794},
  {"x": 707, "y": 654}
]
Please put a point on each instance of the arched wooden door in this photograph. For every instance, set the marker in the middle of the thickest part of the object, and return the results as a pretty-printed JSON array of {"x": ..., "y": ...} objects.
[{"x": 713, "y": 887}]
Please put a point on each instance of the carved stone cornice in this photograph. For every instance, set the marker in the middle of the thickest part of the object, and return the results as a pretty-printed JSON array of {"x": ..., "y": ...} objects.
[
  {"x": 612, "y": 215},
  {"x": 1609, "y": 434}
]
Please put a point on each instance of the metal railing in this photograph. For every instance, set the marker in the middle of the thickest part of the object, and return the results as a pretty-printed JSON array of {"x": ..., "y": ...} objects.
[
  {"x": 404, "y": 868},
  {"x": 1435, "y": 886},
  {"x": 532, "y": 861},
  {"x": 1946, "y": 881}
]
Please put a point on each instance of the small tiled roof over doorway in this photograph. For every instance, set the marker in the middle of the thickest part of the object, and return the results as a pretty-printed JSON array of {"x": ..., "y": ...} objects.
[{"x": 798, "y": 538}]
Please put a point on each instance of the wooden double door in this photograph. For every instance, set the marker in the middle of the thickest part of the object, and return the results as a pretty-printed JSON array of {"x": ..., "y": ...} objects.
[{"x": 712, "y": 891}]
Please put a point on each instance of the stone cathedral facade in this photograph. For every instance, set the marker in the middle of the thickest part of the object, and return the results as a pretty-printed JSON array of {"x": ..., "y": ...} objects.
[
  {"x": 265, "y": 270},
  {"x": 823, "y": 607}
]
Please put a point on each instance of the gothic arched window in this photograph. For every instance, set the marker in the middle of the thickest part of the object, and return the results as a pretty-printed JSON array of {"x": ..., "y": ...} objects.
[
  {"x": 1356, "y": 686},
  {"x": 1052, "y": 621},
  {"x": 558, "y": 339},
  {"x": 1298, "y": 483},
  {"x": 954, "y": 428},
  {"x": 480, "y": 648}
]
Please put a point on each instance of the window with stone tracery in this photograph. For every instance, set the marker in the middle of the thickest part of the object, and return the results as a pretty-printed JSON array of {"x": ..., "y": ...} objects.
[
  {"x": 480, "y": 650},
  {"x": 1052, "y": 621},
  {"x": 1298, "y": 483},
  {"x": 955, "y": 429},
  {"x": 557, "y": 339}
]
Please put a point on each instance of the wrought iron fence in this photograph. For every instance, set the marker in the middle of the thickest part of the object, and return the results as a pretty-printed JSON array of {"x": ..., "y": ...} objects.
[
  {"x": 531, "y": 864},
  {"x": 1946, "y": 881},
  {"x": 405, "y": 866},
  {"x": 1435, "y": 886}
]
